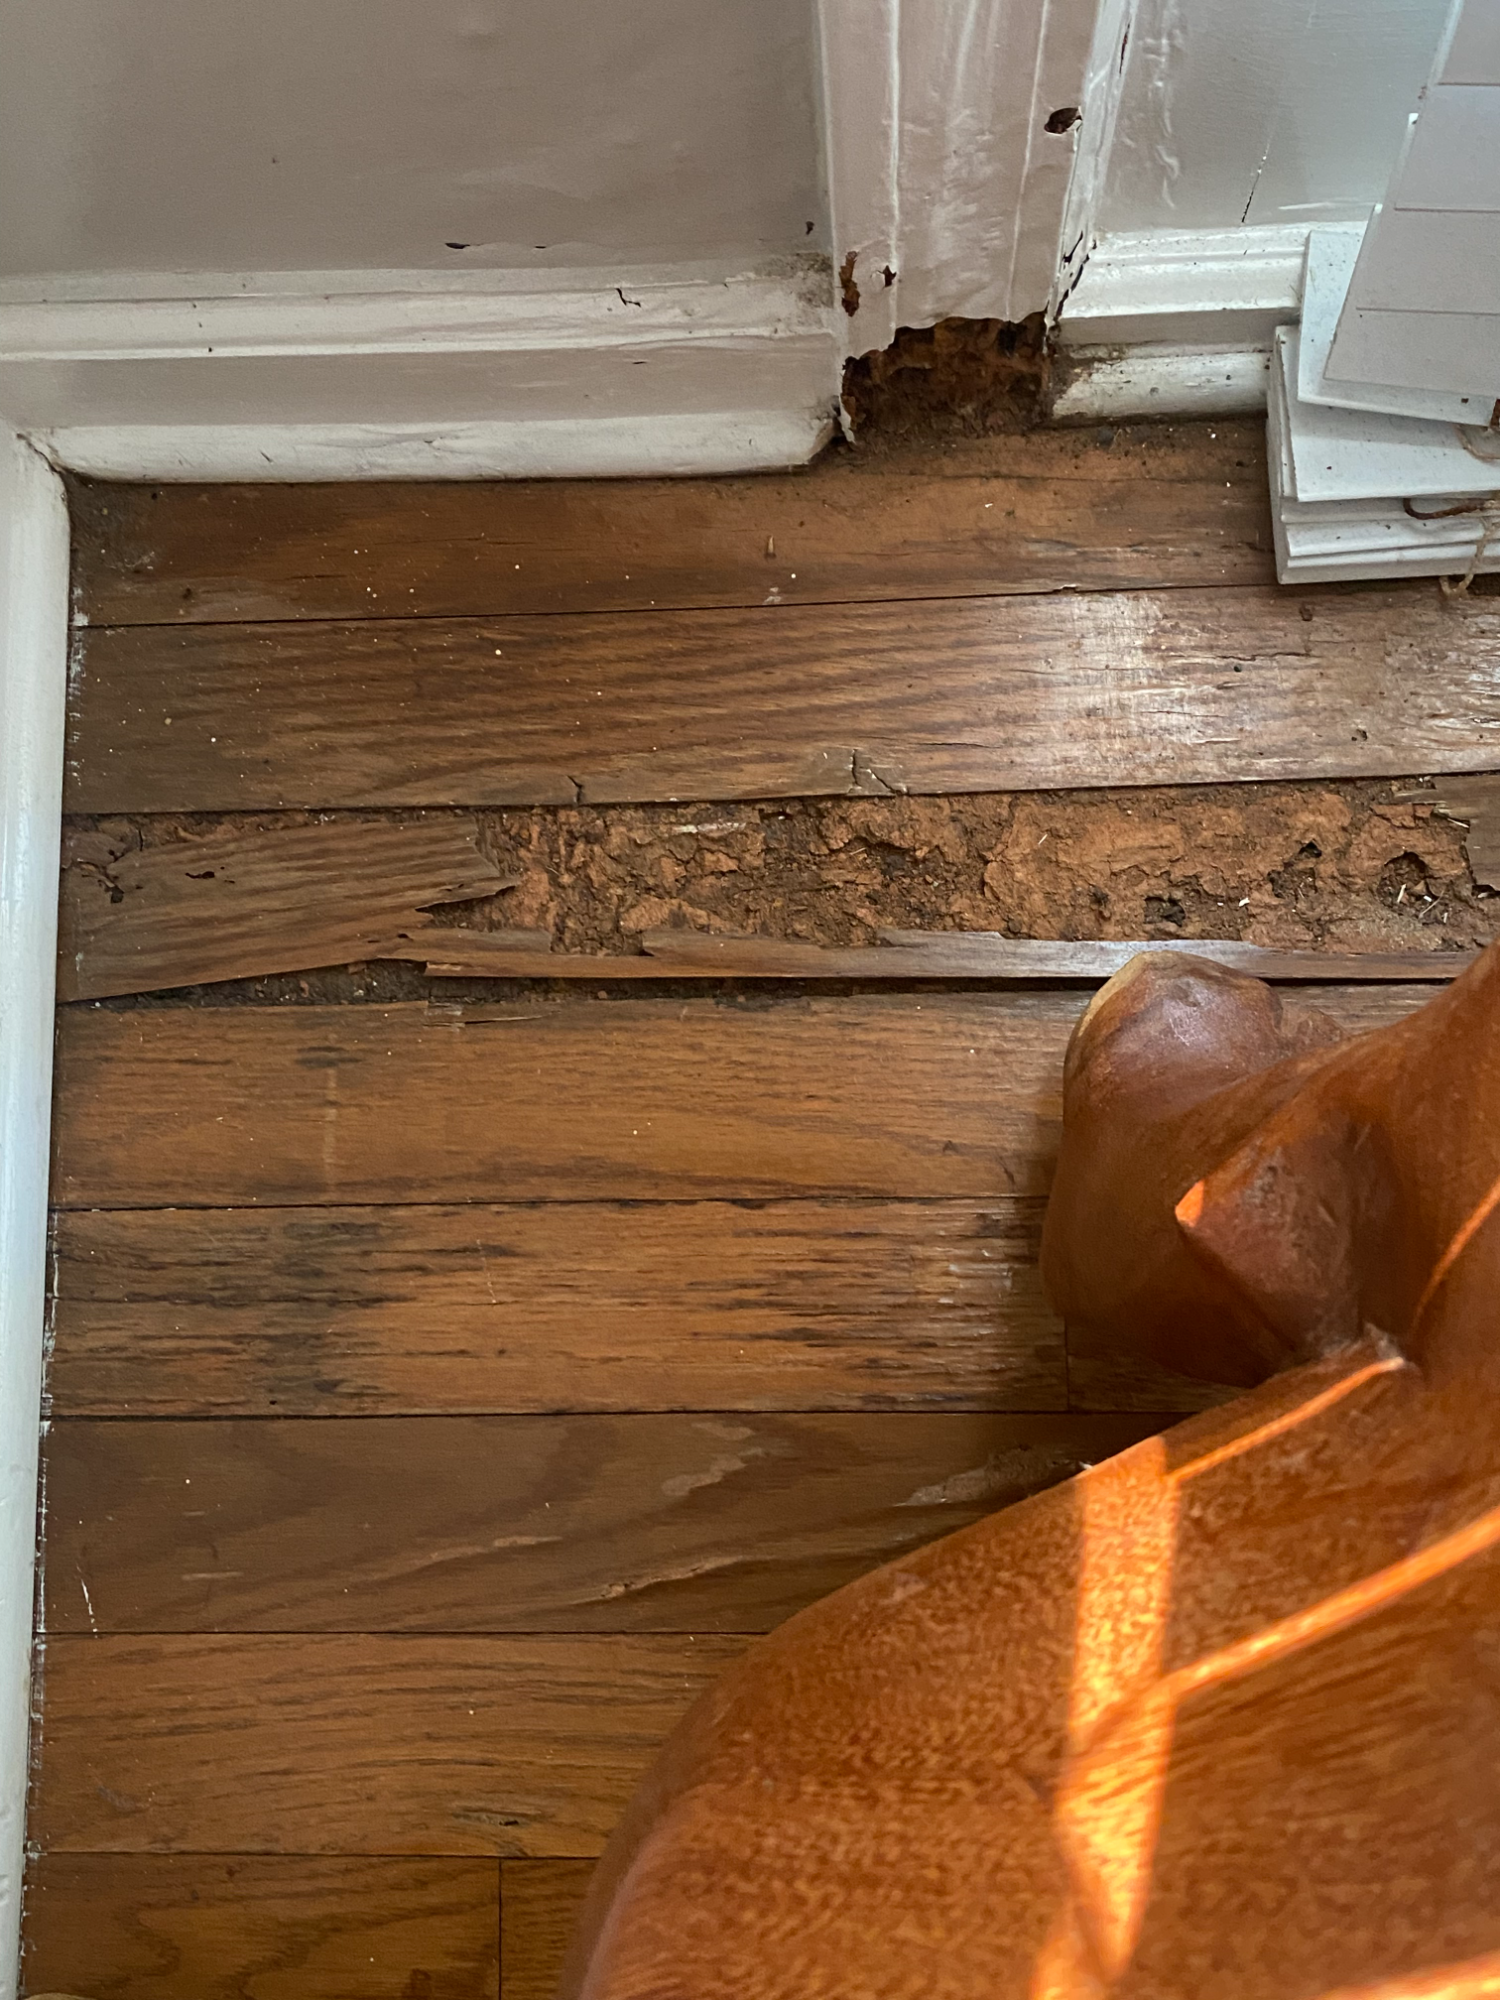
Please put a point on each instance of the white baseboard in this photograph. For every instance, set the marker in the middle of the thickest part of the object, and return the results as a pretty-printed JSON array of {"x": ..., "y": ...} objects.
[
  {"x": 1176, "y": 322},
  {"x": 680, "y": 371},
  {"x": 33, "y": 687},
  {"x": 1186, "y": 288},
  {"x": 728, "y": 441},
  {"x": 1113, "y": 384}
]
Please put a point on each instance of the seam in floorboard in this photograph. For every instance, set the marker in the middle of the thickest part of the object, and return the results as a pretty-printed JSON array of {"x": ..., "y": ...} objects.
[{"x": 733, "y": 606}]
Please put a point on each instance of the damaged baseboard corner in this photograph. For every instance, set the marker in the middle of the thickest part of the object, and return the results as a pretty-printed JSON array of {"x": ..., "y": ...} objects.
[{"x": 959, "y": 377}]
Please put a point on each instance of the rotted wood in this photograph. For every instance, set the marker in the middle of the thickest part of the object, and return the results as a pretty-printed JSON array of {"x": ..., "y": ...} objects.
[
  {"x": 241, "y": 903},
  {"x": 539, "y": 1906},
  {"x": 907, "y": 1096},
  {"x": 1475, "y": 804},
  {"x": 693, "y": 1523},
  {"x": 201, "y": 1927},
  {"x": 326, "y": 1744},
  {"x": 1017, "y": 693},
  {"x": 1049, "y": 511},
  {"x": 967, "y": 955},
  {"x": 484, "y": 1307},
  {"x": 244, "y": 903}
]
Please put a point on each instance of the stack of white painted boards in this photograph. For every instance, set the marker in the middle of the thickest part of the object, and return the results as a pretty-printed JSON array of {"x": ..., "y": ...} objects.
[
  {"x": 1361, "y": 491},
  {"x": 1385, "y": 402}
]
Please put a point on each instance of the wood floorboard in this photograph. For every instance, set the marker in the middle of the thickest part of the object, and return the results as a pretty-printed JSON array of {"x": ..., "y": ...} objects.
[
  {"x": 1051, "y": 511},
  {"x": 693, "y": 1523},
  {"x": 1122, "y": 1381},
  {"x": 404, "y": 1744},
  {"x": 444, "y": 1394},
  {"x": 236, "y": 903},
  {"x": 901, "y": 955},
  {"x": 539, "y": 1906},
  {"x": 480, "y": 1308},
  {"x": 934, "y": 1097},
  {"x": 1030, "y": 693},
  {"x": 249, "y": 1927}
]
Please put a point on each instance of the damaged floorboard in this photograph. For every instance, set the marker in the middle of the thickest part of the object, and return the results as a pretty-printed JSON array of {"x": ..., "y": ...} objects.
[
  {"x": 235, "y": 905},
  {"x": 1165, "y": 687},
  {"x": 901, "y": 955}
]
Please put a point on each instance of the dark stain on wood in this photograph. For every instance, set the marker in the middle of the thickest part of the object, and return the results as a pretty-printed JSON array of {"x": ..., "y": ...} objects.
[
  {"x": 553, "y": 1306},
  {"x": 936, "y": 1097}
]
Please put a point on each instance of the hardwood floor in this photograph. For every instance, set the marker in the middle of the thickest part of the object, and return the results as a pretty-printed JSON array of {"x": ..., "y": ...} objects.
[{"x": 444, "y": 1388}]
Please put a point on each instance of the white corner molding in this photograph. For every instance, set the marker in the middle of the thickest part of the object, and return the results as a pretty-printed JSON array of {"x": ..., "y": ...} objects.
[
  {"x": 33, "y": 689},
  {"x": 947, "y": 189},
  {"x": 1103, "y": 88},
  {"x": 679, "y": 370}
]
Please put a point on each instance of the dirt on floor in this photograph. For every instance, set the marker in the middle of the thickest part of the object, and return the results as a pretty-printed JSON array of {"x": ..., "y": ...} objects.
[{"x": 1347, "y": 867}]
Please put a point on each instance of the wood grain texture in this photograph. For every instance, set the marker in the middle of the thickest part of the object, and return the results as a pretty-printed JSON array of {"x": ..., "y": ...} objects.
[
  {"x": 539, "y": 1905},
  {"x": 934, "y": 1097},
  {"x": 1164, "y": 687},
  {"x": 799, "y": 1305},
  {"x": 1052, "y": 511},
  {"x": 1122, "y": 1381},
  {"x": 871, "y": 1096},
  {"x": 1475, "y": 804},
  {"x": 239, "y": 903},
  {"x": 518, "y": 1524},
  {"x": 901, "y": 955},
  {"x": 333, "y": 1745},
  {"x": 195, "y": 1927}
]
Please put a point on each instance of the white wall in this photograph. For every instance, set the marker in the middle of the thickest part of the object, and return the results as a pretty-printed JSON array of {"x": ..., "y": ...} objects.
[
  {"x": 1264, "y": 111},
  {"x": 343, "y": 135}
]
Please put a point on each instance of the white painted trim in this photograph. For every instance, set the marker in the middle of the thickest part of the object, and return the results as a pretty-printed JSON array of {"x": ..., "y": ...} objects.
[
  {"x": 1176, "y": 322},
  {"x": 1196, "y": 287},
  {"x": 148, "y": 320},
  {"x": 676, "y": 372},
  {"x": 1112, "y": 384},
  {"x": 33, "y": 690},
  {"x": 1331, "y": 257},
  {"x": 559, "y": 448},
  {"x": 1103, "y": 87},
  {"x": 941, "y": 170},
  {"x": 859, "y": 56}
]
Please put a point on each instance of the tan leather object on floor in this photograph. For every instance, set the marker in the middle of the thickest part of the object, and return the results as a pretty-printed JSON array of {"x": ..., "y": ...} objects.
[{"x": 1219, "y": 1719}]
